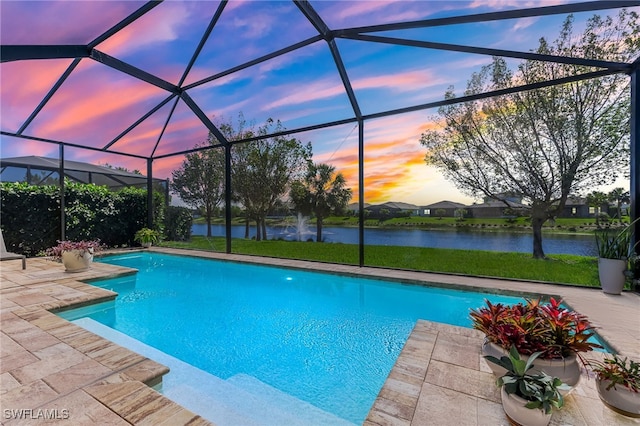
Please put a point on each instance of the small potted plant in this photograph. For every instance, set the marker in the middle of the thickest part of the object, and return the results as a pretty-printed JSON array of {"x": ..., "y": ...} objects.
[
  {"x": 527, "y": 399},
  {"x": 560, "y": 334},
  {"x": 147, "y": 237},
  {"x": 614, "y": 249},
  {"x": 75, "y": 255},
  {"x": 618, "y": 383}
]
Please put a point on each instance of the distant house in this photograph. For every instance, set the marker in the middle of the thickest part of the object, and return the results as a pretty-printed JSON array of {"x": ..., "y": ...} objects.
[
  {"x": 393, "y": 209},
  {"x": 447, "y": 208},
  {"x": 355, "y": 207},
  {"x": 495, "y": 209},
  {"x": 576, "y": 207}
]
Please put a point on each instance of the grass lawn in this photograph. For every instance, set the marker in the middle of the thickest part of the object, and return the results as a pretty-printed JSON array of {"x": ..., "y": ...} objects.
[{"x": 564, "y": 269}]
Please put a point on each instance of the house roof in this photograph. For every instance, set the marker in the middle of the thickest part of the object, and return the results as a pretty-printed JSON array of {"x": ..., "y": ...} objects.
[
  {"x": 445, "y": 204},
  {"x": 393, "y": 205},
  {"x": 498, "y": 204},
  {"x": 78, "y": 171}
]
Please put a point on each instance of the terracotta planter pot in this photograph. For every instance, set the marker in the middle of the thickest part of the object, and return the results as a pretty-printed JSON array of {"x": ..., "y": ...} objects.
[
  {"x": 621, "y": 399},
  {"x": 76, "y": 260},
  {"x": 566, "y": 369},
  {"x": 514, "y": 408},
  {"x": 611, "y": 274}
]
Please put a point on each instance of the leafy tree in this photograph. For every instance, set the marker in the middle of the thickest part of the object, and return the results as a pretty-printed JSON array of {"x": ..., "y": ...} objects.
[
  {"x": 597, "y": 199},
  {"x": 619, "y": 196},
  {"x": 460, "y": 214},
  {"x": 440, "y": 213},
  {"x": 321, "y": 192},
  {"x": 542, "y": 144},
  {"x": 262, "y": 170},
  {"x": 200, "y": 180}
]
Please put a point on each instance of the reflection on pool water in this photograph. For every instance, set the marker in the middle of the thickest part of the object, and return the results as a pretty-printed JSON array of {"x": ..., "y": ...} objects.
[{"x": 279, "y": 334}]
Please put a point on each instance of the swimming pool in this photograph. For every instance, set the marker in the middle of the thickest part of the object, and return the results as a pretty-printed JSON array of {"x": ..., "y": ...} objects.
[{"x": 327, "y": 340}]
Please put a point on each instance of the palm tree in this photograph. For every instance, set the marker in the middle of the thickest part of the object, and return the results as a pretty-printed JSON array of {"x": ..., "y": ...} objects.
[
  {"x": 320, "y": 192},
  {"x": 619, "y": 196},
  {"x": 596, "y": 199}
]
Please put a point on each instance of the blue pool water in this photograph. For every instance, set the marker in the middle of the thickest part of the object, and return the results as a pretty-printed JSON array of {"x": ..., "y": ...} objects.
[{"x": 326, "y": 339}]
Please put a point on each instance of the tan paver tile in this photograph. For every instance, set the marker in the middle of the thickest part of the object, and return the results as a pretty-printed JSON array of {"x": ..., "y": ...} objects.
[
  {"x": 409, "y": 400},
  {"x": 107, "y": 391},
  {"x": 139, "y": 404},
  {"x": 402, "y": 387},
  {"x": 53, "y": 359},
  {"x": 410, "y": 367},
  {"x": 77, "y": 376},
  {"x": 17, "y": 359},
  {"x": 436, "y": 406},
  {"x": 8, "y": 382},
  {"x": 30, "y": 395},
  {"x": 393, "y": 408},
  {"x": 8, "y": 345},
  {"x": 465, "y": 380},
  {"x": 33, "y": 298},
  {"x": 31, "y": 337},
  {"x": 458, "y": 349},
  {"x": 148, "y": 372},
  {"x": 377, "y": 417},
  {"x": 119, "y": 358},
  {"x": 77, "y": 409},
  {"x": 170, "y": 414},
  {"x": 491, "y": 413}
]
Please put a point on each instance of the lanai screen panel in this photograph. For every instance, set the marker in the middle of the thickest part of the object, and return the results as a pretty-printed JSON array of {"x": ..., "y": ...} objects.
[{"x": 300, "y": 88}]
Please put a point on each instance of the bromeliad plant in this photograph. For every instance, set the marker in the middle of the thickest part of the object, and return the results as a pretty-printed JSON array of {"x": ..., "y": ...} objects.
[
  {"x": 82, "y": 247},
  {"x": 617, "y": 371},
  {"x": 550, "y": 329},
  {"x": 541, "y": 391}
]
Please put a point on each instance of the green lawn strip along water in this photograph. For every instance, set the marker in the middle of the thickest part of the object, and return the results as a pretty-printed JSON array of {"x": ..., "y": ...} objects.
[
  {"x": 562, "y": 269},
  {"x": 521, "y": 224}
]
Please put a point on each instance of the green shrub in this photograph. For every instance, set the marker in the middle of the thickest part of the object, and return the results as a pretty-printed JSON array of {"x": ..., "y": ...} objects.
[
  {"x": 178, "y": 224},
  {"x": 31, "y": 215}
]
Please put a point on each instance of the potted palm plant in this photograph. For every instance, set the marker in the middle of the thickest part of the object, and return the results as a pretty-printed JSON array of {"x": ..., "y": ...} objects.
[
  {"x": 147, "y": 237},
  {"x": 614, "y": 249},
  {"x": 527, "y": 399},
  {"x": 618, "y": 383},
  {"x": 76, "y": 256},
  {"x": 559, "y": 334}
]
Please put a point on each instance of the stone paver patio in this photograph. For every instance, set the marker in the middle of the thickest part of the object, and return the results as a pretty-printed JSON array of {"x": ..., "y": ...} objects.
[{"x": 52, "y": 368}]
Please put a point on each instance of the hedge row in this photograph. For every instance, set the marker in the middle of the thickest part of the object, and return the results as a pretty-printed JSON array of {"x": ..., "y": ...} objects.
[{"x": 31, "y": 215}]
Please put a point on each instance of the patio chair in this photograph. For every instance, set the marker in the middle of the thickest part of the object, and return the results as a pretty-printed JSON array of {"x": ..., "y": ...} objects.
[{"x": 5, "y": 255}]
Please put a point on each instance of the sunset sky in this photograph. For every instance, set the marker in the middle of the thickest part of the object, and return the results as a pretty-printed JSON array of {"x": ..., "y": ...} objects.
[{"x": 96, "y": 103}]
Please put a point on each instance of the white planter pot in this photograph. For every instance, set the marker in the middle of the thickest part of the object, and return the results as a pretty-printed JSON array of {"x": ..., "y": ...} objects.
[
  {"x": 566, "y": 369},
  {"x": 620, "y": 399},
  {"x": 514, "y": 408},
  {"x": 611, "y": 273},
  {"x": 76, "y": 260}
]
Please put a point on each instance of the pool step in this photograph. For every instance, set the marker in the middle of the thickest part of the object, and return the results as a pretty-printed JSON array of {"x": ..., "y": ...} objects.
[
  {"x": 303, "y": 412},
  {"x": 239, "y": 400}
]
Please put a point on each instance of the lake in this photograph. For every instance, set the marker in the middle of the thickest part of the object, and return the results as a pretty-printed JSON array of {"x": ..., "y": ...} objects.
[{"x": 583, "y": 245}]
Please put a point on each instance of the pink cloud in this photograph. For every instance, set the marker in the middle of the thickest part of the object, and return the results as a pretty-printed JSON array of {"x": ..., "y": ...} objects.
[
  {"x": 15, "y": 147},
  {"x": 91, "y": 106},
  {"x": 24, "y": 85},
  {"x": 50, "y": 22},
  {"x": 146, "y": 30}
]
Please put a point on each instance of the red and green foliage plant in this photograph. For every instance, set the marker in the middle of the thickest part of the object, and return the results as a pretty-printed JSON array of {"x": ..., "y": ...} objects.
[
  {"x": 618, "y": 371},
  {"x": 532, "y": 327}
]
